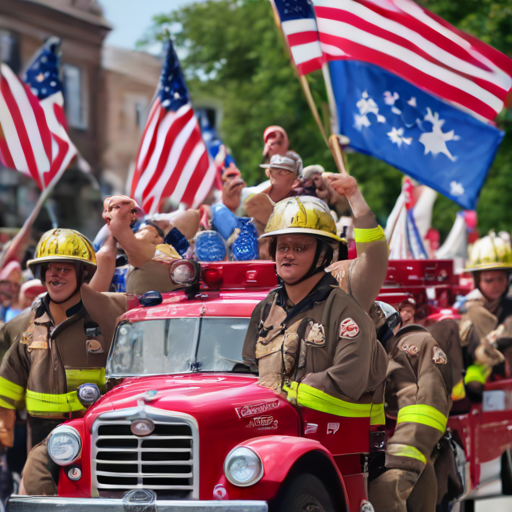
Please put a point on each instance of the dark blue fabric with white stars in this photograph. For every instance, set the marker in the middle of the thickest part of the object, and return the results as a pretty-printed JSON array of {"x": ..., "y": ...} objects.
[
  {"x": 295, "y": 9},
  {"x": 42, "y": 75},
  {"x": 172, "y": 90}
]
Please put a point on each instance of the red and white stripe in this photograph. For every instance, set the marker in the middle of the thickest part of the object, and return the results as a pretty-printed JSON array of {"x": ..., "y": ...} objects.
[
  {"x": 406, "y": 40},
  {"x": 33, "y": 137},
  {"x": 304, "y": 44},
  {"x": 173, "y": 161}
]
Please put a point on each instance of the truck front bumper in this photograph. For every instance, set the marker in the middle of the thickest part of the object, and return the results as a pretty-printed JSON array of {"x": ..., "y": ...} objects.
[{"x": 51, "y": 504}]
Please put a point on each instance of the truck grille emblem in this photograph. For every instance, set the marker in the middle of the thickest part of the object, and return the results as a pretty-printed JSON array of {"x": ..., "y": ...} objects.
[{"x": 142, "y": 428}]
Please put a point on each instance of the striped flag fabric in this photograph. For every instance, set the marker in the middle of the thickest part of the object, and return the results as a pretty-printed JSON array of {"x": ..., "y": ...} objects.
[
  {"x": 408, "y": 88},
  {"x": 406, "y": 40},
  {"x": 173, "y": 161},
  {"x": 33, "y": 133},
  {"x": 298, "y": 23}
]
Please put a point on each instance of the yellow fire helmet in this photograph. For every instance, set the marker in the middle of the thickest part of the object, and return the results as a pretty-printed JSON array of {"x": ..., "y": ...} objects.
[
  {"x": 63, "y": 245},
  {"x": 304, "y": 215},
  {"x": 492, "y": 252}
]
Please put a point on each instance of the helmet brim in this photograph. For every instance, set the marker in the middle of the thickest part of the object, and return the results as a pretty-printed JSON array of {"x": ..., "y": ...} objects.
[
  {"x": 489, "y": 266},
  {"x": 65, "y": 259},
  {"x": 302, "y": 231}
]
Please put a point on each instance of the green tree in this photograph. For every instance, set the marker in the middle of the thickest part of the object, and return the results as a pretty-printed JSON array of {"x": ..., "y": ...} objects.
[{"x": 232, "y": 51}]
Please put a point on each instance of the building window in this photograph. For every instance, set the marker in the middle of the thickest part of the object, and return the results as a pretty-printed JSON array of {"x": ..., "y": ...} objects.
[
  {"x": 73, "y": 99},
  {"x": 9, "y": 50}
]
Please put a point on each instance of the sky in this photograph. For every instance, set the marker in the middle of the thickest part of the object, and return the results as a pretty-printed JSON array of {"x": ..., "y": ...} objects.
[{"x": 131, "y": 18}]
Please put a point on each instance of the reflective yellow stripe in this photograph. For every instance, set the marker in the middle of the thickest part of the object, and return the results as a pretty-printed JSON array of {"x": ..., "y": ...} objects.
[
  {"x": 10, "y": 391},
  {"x": 478, "y": 373},
  {"x": 313, "y": 398},
  {"x": 377, "y": 415},
  {"x": 459, "y": 391},
  {"x": 404, "y": 450},
  {"x": 6, "y": 405},
  {"x": 363, "y": 236},
  {"x": 47, "y": 403},
  {"x": 76, "y": 378},
  {"x": 424, "y": 414}
]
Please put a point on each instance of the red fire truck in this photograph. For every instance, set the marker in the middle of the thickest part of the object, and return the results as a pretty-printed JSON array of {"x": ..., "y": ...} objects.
[{"x": 185, "y": 426}]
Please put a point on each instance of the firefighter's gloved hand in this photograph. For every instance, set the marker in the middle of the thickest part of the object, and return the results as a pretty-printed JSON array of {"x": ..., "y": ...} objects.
[{"x": 7, "y": 420}]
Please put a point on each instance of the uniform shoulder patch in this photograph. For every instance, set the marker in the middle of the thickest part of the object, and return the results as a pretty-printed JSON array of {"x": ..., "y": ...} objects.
[
  {"x": 438, "y": 356},
  {"x": 349, "y": 329},
  {"x": 410, "y": 349}
]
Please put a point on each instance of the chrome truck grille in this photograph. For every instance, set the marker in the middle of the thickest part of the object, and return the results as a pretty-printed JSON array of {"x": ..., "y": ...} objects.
[{"x": 165, "y": 461}]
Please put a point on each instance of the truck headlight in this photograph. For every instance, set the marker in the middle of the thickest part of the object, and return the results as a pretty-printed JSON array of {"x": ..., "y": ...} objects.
[
  {"x": 243, "y": 467},
  {"x": 64, "y": 445}
]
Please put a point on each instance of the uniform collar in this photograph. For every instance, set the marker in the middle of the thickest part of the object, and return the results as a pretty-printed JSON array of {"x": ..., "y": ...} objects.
[
  {"x": 73, "y": 314},
  {"x": 318, "y": 294}
]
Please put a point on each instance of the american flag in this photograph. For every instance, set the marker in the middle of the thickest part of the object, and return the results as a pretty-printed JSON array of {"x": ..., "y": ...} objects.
[
  {"x": 173, "y": 160},
  {"x": 406, "y": 40},
  {"x": 33, "y": 136}
]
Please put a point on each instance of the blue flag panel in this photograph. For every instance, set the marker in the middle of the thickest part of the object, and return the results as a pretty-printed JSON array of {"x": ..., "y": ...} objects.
[{"x": 436, "y": 143}]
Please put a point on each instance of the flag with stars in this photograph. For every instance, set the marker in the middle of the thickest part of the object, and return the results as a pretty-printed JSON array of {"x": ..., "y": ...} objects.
[
  {"x": 173, "y": 161},
  {"x": 410, "y": 88},
  {"x": 436, "y": 143},
  {"x": 33, "y": 136}
]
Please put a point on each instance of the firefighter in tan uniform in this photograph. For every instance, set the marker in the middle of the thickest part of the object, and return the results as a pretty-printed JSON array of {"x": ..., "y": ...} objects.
[
  {"x": 486, "y": 325},
  {"x": 64, "y": 343},
  {"x": 417, "y": 396},
  {"x": 311, "y": 338}
]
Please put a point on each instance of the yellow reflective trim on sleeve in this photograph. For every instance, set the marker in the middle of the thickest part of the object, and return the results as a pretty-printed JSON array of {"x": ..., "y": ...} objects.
[
  {"x": 308, "y": 396},
  {"x": 10, "y": 391},
  {"x": 404, "y": 450},
  {"x": 44, "y": 403},
  {"x": 477, "y": 373},
  {"x": 364, "y": 236},
  {"x": 377, "y": 415},
  {"x": 6, "y": 405},
  {"x": 459, "y": 391},
  {"x": 76, "y": 378},
  {"x": 423, "y": 414}
]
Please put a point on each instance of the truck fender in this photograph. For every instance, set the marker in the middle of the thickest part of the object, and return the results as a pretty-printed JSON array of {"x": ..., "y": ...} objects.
[{"x": 282, "y": 456}]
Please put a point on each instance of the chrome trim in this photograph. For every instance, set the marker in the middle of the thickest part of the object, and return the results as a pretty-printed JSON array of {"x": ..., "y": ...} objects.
[
  {"x": 50, "y": 504},
  {"x": 159, "y": 417}
]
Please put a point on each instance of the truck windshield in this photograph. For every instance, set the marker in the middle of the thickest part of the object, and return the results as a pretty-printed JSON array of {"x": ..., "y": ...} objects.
[{"x": 177, "y": 345}]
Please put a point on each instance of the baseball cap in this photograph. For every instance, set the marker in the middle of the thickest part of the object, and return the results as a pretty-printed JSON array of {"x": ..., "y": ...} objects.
[{"x": 291, "y": 162}]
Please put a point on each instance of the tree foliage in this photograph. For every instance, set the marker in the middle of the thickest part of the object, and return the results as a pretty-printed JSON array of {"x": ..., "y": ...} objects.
[{"x": 232, "y": 51}]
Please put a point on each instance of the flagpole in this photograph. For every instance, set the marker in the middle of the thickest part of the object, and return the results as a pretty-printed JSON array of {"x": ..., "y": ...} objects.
[
  {"x": 302, "y": 79},
  {"x": 335, "y": 126},
  {"x": 312, "y": 106},
  {"x": 12, "y": 249}
]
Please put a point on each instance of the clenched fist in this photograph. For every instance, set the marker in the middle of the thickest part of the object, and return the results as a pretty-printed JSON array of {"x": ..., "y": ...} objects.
[{"x": 343, "y": 184}]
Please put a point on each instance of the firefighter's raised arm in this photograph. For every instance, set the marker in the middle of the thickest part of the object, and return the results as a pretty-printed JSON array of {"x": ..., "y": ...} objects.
[{"x": 363, "y": 277}]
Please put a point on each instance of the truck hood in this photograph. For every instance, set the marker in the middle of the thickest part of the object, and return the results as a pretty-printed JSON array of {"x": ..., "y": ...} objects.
[{"x": 202, "y": 395}]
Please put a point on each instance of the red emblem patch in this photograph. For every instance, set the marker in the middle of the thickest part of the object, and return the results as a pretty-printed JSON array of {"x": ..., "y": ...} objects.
[{"x": 349, "y": 329}]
